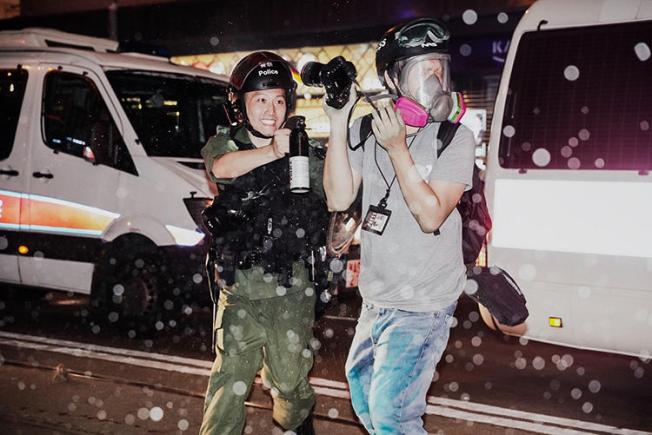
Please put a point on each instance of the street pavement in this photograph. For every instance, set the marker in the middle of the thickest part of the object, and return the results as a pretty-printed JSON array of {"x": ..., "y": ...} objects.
[{"x": 62, "y": 376}]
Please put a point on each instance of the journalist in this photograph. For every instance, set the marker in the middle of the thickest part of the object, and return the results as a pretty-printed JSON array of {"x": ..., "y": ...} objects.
[{"x": 410, "y": 278}]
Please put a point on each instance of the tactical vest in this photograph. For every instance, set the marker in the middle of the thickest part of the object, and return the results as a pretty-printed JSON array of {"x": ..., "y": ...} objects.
[{"x": 274, "y": 227}]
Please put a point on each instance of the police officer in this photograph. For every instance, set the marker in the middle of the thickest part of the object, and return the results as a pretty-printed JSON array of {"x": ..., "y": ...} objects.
[{"x": 265, "y": 308}]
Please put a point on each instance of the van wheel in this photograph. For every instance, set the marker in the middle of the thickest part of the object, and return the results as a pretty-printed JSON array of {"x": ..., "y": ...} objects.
[{"x": 126, "y": 289}]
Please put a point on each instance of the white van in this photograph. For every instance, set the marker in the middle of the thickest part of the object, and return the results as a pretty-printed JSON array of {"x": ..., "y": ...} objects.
[
  {"x": 568, "y": 175},
  {"x": 101, "y": 180}
]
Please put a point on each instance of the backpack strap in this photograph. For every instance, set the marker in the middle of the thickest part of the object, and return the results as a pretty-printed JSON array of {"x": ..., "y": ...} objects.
[{"x": 446, "y": 134}]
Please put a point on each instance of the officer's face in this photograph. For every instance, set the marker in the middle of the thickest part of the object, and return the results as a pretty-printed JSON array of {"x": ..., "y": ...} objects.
[{"x": 266, "y": 110}]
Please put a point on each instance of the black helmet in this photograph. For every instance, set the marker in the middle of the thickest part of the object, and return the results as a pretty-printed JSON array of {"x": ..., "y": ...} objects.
[
  {"x": 421, "y": 36},
  {"x": 262, "y": 70}
]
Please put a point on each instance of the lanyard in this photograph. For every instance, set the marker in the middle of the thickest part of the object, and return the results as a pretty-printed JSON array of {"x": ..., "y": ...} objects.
[{"x": 383, "y": 202}]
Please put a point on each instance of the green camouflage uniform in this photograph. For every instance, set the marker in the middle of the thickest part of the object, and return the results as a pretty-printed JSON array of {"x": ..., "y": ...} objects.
[{"x": 259, "y": 324}]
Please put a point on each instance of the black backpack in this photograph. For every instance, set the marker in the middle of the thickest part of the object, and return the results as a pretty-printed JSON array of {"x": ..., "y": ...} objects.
[{"x": 476, "y": 221}]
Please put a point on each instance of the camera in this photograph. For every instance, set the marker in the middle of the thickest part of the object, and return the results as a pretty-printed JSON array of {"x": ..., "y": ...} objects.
[{"x": 336, "y": 77}]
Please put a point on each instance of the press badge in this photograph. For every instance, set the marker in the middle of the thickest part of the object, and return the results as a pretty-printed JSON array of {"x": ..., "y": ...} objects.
[{"x": 376, "y": 220}]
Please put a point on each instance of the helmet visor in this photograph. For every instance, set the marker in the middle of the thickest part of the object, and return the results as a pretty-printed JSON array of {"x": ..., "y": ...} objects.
[{"x": 423, "y": 78}]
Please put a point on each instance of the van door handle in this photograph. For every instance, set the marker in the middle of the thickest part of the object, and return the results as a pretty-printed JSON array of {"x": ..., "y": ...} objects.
[
  {"x": 9, "y": 172},
  {"x": 42, "y": 175}
]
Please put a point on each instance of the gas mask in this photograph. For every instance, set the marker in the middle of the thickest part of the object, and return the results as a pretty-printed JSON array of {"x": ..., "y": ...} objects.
[{"x": 423, "y": 87}]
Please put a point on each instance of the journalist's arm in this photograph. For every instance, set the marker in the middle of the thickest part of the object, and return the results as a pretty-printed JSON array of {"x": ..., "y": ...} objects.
[
  {"x": 341, "y": 181},
  {"x": 430, "y": 202}
]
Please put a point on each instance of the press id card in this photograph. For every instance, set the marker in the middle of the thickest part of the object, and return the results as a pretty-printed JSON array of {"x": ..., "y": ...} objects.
[{"x": 376, "y": 220}]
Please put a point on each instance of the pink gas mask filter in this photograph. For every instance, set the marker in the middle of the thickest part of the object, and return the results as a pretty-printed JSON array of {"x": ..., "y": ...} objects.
[{"x": 412, "y": 113}]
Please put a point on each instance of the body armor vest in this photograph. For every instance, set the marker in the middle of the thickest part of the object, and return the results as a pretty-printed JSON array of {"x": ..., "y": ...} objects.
[{"x": 259, "y": 222}]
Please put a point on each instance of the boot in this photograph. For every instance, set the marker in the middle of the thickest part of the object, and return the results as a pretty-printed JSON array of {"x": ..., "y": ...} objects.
[{"x": 306, "y": 427}]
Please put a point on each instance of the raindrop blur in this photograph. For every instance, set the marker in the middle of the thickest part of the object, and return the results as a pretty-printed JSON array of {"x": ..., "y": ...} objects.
[
  {"x": 478, "y": 359},
  {"x": 509, "y": 131},
  {"x": 143, "y": 413},
  {"x": 470, "y": 17},
  {"x": 642, "y": 51},
  {"x": 239, "y": 388},
  {"x": 130, "y": 419},
  {"x": 584, "y": 110},
  {"x": 476, "y": 341},
  {"x": 571, "y": 73},
  {"x": 573, "y": 141},
  {"x": 4, "y": 243},
  {"x": 520, "y": 363},
  {"x": 541, "y": 157},
  {"x": 584, "y": 292},
  {"x": 587, "y": 407},
  {"x": 576, "y": 393},
  {"x": 595, "y": 386},
  {"x": 156, "y": 413},
  {"x": 566, "y": 151},
  {"x": 197, "y": 278},
  {"x": 183, "y": 424},
  {"x": 599, "y": 163},
  {"x": 336, "y": 265},
  {"x": 465, "y": 50},
  {"x": 527, "y": 272},
  {"x": 333, "y": 413},
  {"x": 502, "y": 18},
  {"x": 584, "y": 134},
  {"x": 453, "y": 386},
  {"x": 574, "y": 163},
  {"x": 645, "y": 125},
  {"x": 118, "y": 289},
  {"x": 101, "y": 414},
  {"x": 471, "y": 286},
  {"x": 214, "y": 41},
  {"x": 538, "y": 363},
  {"x": 526, "y": 146}
]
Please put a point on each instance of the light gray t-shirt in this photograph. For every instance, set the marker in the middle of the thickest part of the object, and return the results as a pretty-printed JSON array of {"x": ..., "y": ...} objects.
[{"x": 406, "y": 268}]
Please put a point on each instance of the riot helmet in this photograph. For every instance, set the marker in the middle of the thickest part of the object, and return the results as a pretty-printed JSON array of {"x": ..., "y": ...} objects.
[
  {"x": 414, "y": 57},
  {"x": 260, "y": 70}
]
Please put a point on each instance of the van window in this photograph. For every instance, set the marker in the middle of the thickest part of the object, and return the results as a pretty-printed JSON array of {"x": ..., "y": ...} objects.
[
  {"x": 77, "y": 121},
  {"x": 173, "y": 115},
  {"x": 12, "y": 91},
  {"x": 580, "y": 98}
]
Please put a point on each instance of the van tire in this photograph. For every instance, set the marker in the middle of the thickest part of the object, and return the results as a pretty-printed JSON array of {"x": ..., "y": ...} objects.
[{"x": 125, "y": 285}]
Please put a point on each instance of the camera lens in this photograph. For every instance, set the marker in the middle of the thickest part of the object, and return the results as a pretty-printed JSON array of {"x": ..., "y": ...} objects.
[{"x": 310, "y": 74}]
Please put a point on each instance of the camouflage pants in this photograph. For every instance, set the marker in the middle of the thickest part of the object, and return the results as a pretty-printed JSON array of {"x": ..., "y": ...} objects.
[{"x": 274, "y": 334}]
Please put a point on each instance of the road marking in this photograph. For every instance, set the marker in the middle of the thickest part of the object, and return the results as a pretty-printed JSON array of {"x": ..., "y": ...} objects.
[{"x": 450, "y": 408}]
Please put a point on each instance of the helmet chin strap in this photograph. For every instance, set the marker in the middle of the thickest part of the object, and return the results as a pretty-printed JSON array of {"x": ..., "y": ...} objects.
[{"x": 255, "y": 132}]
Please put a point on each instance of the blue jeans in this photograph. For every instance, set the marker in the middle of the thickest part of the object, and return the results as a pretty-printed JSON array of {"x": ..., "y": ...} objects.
[{"x": 391, "y": 364}]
